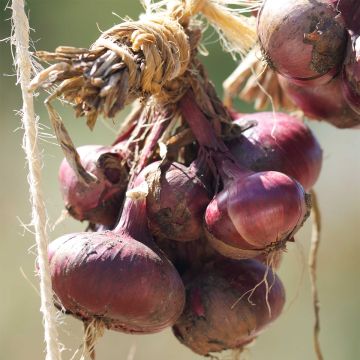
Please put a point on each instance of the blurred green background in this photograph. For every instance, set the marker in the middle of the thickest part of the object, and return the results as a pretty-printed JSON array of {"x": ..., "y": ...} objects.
[{"x": 77, "y": 22}]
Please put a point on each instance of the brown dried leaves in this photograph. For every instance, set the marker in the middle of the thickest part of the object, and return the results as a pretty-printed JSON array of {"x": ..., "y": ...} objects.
[
  {"x": 95, "y": 81},
  {"x": 253, "y": 81}
]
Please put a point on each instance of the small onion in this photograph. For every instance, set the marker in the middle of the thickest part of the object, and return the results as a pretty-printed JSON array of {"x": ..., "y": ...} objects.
[
  {"x": 257, "y": 213},
  {"x": 98, "y": 202},
  {"x": 325, "y": 102},
  {"x": 176, "y": 201}
]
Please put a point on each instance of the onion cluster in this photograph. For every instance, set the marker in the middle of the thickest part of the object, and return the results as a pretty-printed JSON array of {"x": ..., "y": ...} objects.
[
  {"x": 193, "y": 206},
  {"x": 188, "y": 239}
]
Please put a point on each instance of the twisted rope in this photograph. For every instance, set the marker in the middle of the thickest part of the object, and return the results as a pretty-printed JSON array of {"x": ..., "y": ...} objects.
[
  {"x": 136, "y": 59},
  {"x": 164, "y": 45},
  {"x": 20, "y": 39}
]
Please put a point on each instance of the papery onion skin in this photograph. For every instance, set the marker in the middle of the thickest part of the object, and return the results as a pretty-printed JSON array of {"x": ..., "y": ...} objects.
[
  {"x": 220, "y": 313},
  {"x": 119, "y": 277},
  {"x": 325, "y": 102},
  {"x": 301, "y": 39},
  {"x": 256, "y": 214},
  {"x": 280, "y": 142},
  {"x": 98, "y": 202},
  {"x": 176, "y": 203}
]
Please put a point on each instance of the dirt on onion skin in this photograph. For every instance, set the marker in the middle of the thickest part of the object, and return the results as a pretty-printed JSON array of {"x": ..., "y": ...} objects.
[
  {"x": 302, "y": 39},
  {"x": 326, "y": 35},
  {"x": 176, "y": 202}
]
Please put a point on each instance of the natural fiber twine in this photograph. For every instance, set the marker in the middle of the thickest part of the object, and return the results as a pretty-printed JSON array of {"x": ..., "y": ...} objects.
[
  {"x": 165, "y": 47},
  {"x": 20, "y": 39},
  {"x": 154, "y": 50}
]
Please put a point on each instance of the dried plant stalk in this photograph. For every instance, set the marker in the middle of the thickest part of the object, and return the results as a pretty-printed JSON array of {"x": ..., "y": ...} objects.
[
  {"x": 131, "y": 60},
  {"x": 254, "y": 81},
  {"x": 315, "y": 244},
  {"x": 136, "y": 59}
]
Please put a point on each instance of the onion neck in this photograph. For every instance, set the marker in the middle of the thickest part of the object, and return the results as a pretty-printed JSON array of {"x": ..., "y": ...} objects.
[
  {"x": 161, "y": 120},
  {"x": 204, "y": 133},
  {"x": 199, "y": 124},
  {"x": 230, "y": 170},
  {"x": 199, "y": 165},
  {"x": 133, "y": 220}
]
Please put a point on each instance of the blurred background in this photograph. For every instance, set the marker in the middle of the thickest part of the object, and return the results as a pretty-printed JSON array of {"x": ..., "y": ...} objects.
[{"x": 78, "y": 23}]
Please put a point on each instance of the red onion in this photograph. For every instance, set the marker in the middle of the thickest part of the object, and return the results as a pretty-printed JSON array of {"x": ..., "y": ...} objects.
[
  {"x": 302, "y": 39},
  {"x": 255, "y": 212},
  {"x": 100, "y": 201},
  {"x": 227, "y": 305},
  {"x": 119, "y": 277},
  {"x": 350, "y": 12},
  {"x": 176, "y": 201},
  {"x": 188, "y": 255},
  {"x": 325, "y": 102},
  {"x": 351, "y": 74},
  {"x": 278, "y": 142}
]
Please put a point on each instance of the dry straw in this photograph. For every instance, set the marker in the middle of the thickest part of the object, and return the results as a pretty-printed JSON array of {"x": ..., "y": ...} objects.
[
  {"x": 138, "y": 59},
  {"x": 20, "y": 39},
  {"x": 254, "y": 81}
]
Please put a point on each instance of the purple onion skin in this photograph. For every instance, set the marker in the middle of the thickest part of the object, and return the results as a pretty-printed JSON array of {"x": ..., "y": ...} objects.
[
  {"x": 351, "y": 74},
  {"x": 131, "y": 287},
  {"x": 188, "y": 255},
  {"x": 119, "y": 277},
  {"x": 215, "y": 319},
  {"x": 302, "y": 39},
  {"x": 325, "y": 102},
  {"x": 350, "y": 12},
  {"x": 256, "y": 214},
  {"x": 98, "y": 202},
  {"x": 176, "y": 203},
  {"x": 278, "y": 142}
]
